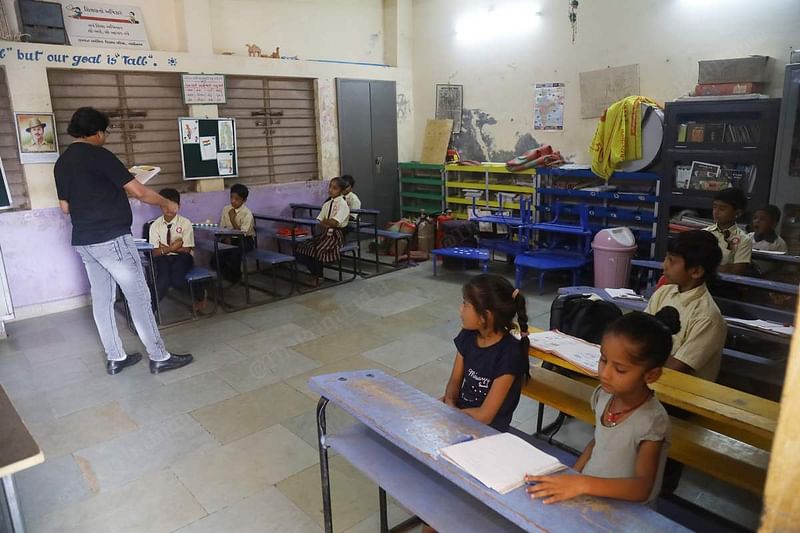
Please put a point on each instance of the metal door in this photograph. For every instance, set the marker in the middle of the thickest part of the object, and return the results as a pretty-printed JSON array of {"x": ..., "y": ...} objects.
[
  {"x": 367, "y": 112},
  {"x": 383, "y": 107}
]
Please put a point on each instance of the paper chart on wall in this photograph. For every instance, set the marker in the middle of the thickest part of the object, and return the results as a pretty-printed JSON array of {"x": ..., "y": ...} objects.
[
  {"x": 225, "y": 135},
  {"x": 225, "y": 163},
  {"x": 190, "y": 131},
  {"x": 208, "y": 148},
  {"x": 549, "y": 107}
]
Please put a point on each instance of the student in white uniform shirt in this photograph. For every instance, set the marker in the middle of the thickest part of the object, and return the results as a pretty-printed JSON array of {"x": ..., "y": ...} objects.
[
  {"x": 173, "y": 238},
  {"x": 735, "y": 244},
  {"x": 326, "y": 246},
  {"x": 352, "y": 199},
  {"x": 764, "y": 236},
  {"x": 236, "y": 215}
]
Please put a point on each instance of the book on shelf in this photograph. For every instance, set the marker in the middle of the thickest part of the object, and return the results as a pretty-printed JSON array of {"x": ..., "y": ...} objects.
[
  {"x": 705, "y": 177},
  {"x": 500, "y": 461},
  {"x": 695, "y": 132},
  {"x": 714, "y": 131},
  {"x": 683, "y": 175}
]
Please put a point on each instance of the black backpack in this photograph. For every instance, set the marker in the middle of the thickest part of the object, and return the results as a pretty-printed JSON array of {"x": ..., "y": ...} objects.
[{"x": 577, "y": 315}]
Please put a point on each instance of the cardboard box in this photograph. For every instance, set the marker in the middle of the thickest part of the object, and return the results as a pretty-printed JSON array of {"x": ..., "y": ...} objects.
[
  {"x": 720, "y": 89},
  {"x": 755, "y": 69}
]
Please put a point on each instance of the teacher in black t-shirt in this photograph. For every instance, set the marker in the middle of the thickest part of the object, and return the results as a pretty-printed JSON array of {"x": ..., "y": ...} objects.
[{"x": 93, "y": 188}]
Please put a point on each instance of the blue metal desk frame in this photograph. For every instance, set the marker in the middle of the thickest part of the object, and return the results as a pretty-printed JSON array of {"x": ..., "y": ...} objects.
[{"x": 414, "y": 424}]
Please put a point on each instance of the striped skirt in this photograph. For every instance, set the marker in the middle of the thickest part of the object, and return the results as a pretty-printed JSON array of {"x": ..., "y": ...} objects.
[{"x": 325, "y": 247}]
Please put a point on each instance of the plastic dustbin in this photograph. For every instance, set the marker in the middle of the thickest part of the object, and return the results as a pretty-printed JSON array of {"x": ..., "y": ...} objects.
[{"x": 613, "y": 250}]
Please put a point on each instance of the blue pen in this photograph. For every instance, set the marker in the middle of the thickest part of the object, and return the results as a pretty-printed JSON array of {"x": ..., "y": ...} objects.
[{"x": 465, "y": 439}]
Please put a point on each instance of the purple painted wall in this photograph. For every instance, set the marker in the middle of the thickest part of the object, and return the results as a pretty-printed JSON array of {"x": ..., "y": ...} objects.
[{"x": 42, "y": 266}]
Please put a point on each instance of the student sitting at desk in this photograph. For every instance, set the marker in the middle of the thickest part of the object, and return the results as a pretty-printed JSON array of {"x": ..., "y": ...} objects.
[
  {"x": 735, "y": 244},
  {"x": 491, "y": 364},
  {"x": 173, "y": 238},
  {"x": 626, "y": 458},
  {"x": 326, "y": 246},
  {"x": 237, "y": 216},
  {"x": 353, "y": 201},
  {"x": 764, "y": 236},
  {"x": 692, "y": 259}
]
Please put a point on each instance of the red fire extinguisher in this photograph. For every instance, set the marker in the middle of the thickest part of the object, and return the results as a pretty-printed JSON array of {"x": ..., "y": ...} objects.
[{"x": 440, "y": 220}]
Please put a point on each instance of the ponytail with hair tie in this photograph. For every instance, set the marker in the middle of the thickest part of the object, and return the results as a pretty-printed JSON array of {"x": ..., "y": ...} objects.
[{"x": 525, "y": 343}]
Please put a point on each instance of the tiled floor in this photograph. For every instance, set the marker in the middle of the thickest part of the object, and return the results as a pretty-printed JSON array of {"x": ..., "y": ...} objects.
[{"x": 229, "y": 442}]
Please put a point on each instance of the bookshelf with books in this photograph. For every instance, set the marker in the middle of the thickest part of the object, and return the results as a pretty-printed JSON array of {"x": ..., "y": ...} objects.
[
  {"x": 709, "y": 146},
  {"x": 491, "y": 186}
]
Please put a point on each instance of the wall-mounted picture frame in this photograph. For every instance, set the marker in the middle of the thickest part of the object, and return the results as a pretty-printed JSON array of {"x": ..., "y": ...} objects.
[
  {"x": 450, "y": 104},
  {"x": 36, "y": 137}
]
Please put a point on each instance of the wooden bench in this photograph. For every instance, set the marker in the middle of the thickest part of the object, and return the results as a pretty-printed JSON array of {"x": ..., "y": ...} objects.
[{"x": 712, "y": 453}]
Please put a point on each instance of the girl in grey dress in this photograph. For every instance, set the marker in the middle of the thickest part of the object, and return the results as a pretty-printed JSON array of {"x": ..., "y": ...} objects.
[{"x": 626, "y": 458}]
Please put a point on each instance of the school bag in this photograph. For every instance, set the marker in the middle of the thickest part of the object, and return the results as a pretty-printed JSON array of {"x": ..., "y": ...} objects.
[{"x": 582, "y": 317}]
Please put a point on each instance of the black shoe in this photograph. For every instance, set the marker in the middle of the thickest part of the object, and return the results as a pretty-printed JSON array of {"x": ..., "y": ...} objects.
[
  {"x": 175, "y": 360},
  {"x": 115, "y": 367}
]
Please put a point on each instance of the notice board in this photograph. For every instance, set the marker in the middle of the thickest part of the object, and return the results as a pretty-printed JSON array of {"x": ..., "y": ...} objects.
[{"x": 208, "y": 147}]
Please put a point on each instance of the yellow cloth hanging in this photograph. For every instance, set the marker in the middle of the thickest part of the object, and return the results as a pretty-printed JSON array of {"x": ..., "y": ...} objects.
[{"x": 618, "y": 136}]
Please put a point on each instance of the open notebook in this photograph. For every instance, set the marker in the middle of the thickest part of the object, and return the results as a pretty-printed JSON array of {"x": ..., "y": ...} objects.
[
  {"x": 500, "y": 461},
  {"x": 577, "y": 351}
]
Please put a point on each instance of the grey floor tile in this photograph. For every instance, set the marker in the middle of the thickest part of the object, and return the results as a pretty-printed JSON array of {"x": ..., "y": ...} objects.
[
  {"x": 430, "y": 378},
  {"x": 267, "y": 511},
  {"x": 395, "y": 515},
  {"x": 157, "y": 502},
  {"x": 415, "y": 350},
  {"x": 223, "y": 476},
  {"x": 101, "y": 390},
  {"x": 392, "y": 303},
  {"x": 355, "y": 498},
  {"x": 45, "y": 376},
  {"x": 206, "y": 359},
  {"x": 274, "y": 315},
  {"x": 272, "y": 339},
  {"x": 340, "y": 345},
  {"x": 82, "y": 429},
  {"x": 176, "y": 398},
  {"x": 51, "y": 486},
  {"x": 253, "y": 411},
  {"x": 262, "y": 370},
  {"x": 127, "y": 458},
  {"x": 399, "y": 325}
]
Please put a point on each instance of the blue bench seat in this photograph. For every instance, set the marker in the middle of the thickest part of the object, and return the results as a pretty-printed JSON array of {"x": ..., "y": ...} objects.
[
  {"x": 545, "y": 261},
  {"x": 481, "y": 255}
]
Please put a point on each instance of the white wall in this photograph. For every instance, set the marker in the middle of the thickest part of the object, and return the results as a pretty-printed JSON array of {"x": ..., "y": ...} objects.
[
  {"x": 350, "y": 30},
  {"x": 499, "y": 67}
]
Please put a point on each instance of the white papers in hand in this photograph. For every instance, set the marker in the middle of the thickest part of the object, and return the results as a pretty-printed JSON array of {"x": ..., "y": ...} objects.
[{"x": 501, "y": 461}]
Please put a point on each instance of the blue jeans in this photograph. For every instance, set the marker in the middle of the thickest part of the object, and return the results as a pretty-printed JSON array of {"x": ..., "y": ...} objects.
[{"x": 112, "y": 263}]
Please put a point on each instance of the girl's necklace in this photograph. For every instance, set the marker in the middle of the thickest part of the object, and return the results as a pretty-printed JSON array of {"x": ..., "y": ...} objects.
[{"x": 613, "y": 416}]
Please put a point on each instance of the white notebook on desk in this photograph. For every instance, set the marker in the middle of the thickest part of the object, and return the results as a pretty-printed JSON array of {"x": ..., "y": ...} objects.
[
  {"x": 577, "y": 351},
  {"x": 501, "y": 461}
]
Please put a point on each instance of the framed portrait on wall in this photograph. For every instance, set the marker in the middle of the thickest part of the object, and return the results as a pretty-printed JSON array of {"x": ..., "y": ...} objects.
[
  {"x": 36, "y": 137},
  {"x": 450, "y": 104}
]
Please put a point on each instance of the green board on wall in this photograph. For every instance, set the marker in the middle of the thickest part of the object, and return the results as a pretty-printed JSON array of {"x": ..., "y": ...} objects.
[
  {"x": 208, "y": 147},
  {"x": 5, "y": 191}
]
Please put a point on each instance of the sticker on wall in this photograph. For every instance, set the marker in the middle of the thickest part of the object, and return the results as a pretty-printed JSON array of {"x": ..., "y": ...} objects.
[
  {"x": 548, "y": 109},
  {"x": 36, "y": 137},
  {"x": 190, "y": 131},
  {"x": 208, "y": 148},
  {"x": 226, "y": 135},
  {"x": 450, "y": 104},
  {"x": 105, "y": 25}
]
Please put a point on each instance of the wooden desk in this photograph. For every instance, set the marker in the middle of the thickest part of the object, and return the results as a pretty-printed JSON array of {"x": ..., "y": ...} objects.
[
  {"x": 782, "y": 258},
  {"x": 397, "y": 446},
  {"x": 18, "y": 451},
  {"x": 737, "y": 414}
]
